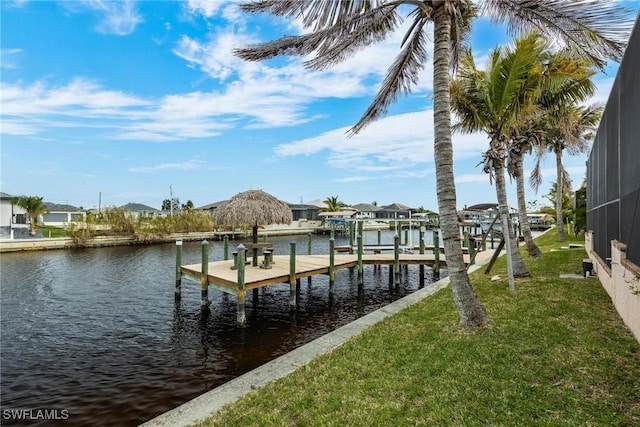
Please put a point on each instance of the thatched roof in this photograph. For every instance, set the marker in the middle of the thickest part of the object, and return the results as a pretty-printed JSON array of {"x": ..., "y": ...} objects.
[{"x": 253, "y": 207}]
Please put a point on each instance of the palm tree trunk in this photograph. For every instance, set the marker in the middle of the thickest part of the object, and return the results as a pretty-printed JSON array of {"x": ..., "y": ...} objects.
[
  {"x": 518, "y": 267},
  {"x": 559, "y": 193},
  {"x": 471, "y": 311},
  {"x": 32, "y": 223},
  {"x": 532, "y": 249}
]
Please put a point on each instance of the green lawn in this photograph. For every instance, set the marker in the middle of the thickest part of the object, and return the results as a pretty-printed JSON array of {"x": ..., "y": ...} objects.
[
  {"x": 49, "y": 231},
  {"x": 555, "y": 354}
]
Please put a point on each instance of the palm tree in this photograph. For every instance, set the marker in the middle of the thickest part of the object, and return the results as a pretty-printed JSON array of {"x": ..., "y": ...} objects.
[
  {"x": 337, "y": 29},
  {"x": 333, "y": 204},
  {"x": 34, "y": 207},
  {"x": 564, "y": 79},
  {"x": 493, "y": 101},
  {"x": 570, "y": 128}
]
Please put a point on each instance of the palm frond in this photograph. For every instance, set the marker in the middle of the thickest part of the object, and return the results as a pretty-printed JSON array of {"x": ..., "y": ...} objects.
[
  {"x": 596, "y": 28},
  {"x": 401, "y": 76},
  {"x": 342, "y": 40},
  {"x": 316, "y": 14},
  {"x": 462, "y": 16},
  {"x": 535, "y": 179}
]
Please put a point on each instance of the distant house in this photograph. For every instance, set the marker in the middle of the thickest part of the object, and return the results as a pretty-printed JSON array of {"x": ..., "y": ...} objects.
[
  {"x": 59, "y": 215},
  {"x": 366, "y": 210},
  {"x": 319, "y": 203},
  {"x": 540, "y": 221},
  {"x": 394, "y": 211},
  {"x": 302, "y": 212},
  {"x": 211, "y": 207},
  {"x": 138, "y": 210},
  {"x": 11, "y": 216}
]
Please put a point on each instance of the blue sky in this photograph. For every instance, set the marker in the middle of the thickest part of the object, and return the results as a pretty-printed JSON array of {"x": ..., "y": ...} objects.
[{"x": 121, "y": 101}]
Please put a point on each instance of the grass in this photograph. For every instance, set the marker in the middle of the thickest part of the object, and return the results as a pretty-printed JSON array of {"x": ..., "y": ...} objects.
[
  {"x": 555, "y": 354},
  {"x": 50, "y": 231}
]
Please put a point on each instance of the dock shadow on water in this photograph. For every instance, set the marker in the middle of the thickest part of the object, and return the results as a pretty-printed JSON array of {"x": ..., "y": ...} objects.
[{"x": 94, "y": 336}]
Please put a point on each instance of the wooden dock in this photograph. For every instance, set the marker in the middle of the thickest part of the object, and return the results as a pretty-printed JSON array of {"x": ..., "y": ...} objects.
[
  {"x": 242, "y": 273},
  {"x": 220, "y": 275}
]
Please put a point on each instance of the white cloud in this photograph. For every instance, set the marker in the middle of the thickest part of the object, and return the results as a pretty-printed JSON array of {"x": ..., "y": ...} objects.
[
  {"x": 207, "y": 8},
  {"x": 480, "y": 177},
  {"x": 394, "y": 143},
  {"x": 187, "y": 165},
  {"x": 6, "y": 58},
  {"x": 119, "y": 17},
  {"x": 80, "y": 95},
  {"x": 354, "y": 179}
]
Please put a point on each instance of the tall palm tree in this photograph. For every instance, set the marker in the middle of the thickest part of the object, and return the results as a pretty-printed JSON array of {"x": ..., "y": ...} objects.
[
  {"x": 337, "y": 29},
  {"x": 569, "y": 128},
  {"x": 493, "y": 101},
  {"x": 34, "y": 207},
  {"x": 564, "y": 78}
]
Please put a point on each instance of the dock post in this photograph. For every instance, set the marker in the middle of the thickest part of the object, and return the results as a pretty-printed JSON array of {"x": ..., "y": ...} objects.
[
  {"x": 379, "y": 237},
  {"x": 309, "y": 253},
  {"x": 226, "y": 247},
  {"x": 178, "y": 292},
  {"x": 360, "y": 266},
  {"x": 406, "y": 236},
  {"x": 240, "y": 291},
  {"x": 204, "y": 276},
  {"x": 292, "y": 275},
  {"x": 351, "y": 233},
  {"x": 421, "y": 236},
  {"x": 332, "y": 262},
  {"x": 396, "y": 260},
  {"x": 471, "y": 245},
  {"x": 436, "y": 251}
]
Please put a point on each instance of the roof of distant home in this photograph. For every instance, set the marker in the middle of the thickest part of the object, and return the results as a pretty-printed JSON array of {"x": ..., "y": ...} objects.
[{"x": 138, "y": 207}]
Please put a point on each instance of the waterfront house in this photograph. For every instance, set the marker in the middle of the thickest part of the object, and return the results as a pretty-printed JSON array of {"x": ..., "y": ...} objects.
[
  {"x": 11, "y": 216},
  {"x": 59, "y": 215},
  {"x": 139, "y": 210},
  {"x": 366, "y": 210},
  {"x": 394, "y": 211},
  {"x": 303, "y": 212}
]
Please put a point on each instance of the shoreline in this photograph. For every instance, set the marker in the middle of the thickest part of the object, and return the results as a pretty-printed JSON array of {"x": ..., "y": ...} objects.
[
  {"x": 49, "y": 243},
  {"x": 53, "y": 243}
]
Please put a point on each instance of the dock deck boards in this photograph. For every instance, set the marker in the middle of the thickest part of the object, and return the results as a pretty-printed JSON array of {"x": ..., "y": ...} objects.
[{"x": 221, "y": 276}]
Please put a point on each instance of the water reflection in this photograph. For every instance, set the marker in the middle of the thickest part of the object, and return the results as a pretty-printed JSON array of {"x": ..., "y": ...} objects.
[{"x": 97, "y": 331}]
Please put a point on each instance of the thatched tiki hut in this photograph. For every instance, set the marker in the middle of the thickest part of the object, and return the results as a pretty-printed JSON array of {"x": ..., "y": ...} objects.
[{"x": 254, "y": 208}]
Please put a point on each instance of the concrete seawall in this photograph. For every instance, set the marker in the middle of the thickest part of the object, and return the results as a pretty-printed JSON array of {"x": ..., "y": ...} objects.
[{"x": 18, "y": 245}]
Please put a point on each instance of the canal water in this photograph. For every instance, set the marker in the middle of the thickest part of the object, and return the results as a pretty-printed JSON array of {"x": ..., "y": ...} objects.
[{"x": 94, "y": 337}]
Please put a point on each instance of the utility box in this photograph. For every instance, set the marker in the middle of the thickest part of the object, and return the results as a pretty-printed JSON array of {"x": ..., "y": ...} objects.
[{"x": 587, "y": 267}]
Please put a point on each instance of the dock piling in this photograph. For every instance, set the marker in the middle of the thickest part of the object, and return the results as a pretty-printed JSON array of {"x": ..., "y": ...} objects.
[
  {"x": 240, "y": 291},
  {"x": 226, "y": 247},
  {"x": 360, "y": 265},
  {"x": 421, "y": 237},
  {"x": 292, "y": 274},
  {"x": 471, "y": 246},
  {"x": 204, "y": 276},
  {"x": 178, "y": 292},
  {"x": 436, "y": 251},
  {"x": 396, "y": 260},
  {"x": 332, "y": 260}
]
